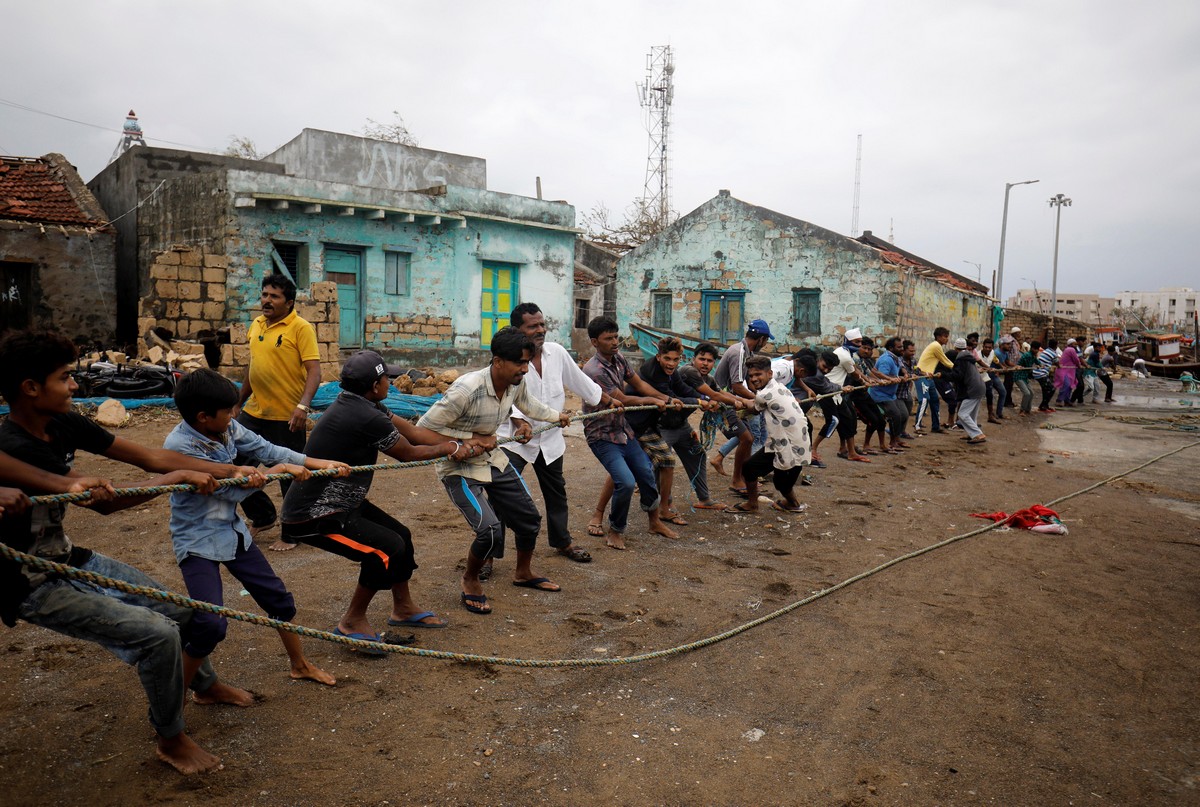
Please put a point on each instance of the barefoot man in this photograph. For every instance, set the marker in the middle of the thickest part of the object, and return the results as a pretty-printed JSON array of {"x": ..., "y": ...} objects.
[{"x": 612, "y": 440}]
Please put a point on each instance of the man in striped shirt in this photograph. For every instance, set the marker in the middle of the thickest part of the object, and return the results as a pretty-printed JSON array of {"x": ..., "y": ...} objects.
[{"x": 1047, "y": 360}]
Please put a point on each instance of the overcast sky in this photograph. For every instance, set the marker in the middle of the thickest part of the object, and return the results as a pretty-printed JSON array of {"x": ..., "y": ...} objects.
[{"x": 1099, "y": 100}]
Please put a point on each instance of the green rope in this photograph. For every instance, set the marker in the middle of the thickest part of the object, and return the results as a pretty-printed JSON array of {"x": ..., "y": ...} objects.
[{"x": 71, "y": 572}]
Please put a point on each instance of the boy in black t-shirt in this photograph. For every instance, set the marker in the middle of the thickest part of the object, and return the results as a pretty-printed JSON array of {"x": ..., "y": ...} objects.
[{"x": 35, "y": 380}]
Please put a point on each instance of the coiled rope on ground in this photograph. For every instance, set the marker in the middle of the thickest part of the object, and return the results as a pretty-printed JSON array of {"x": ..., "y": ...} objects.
[{"x": 71, "y": 572}]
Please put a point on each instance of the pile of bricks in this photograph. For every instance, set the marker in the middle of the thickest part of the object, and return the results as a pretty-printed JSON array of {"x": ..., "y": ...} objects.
[{"x": 188, "y": 295}]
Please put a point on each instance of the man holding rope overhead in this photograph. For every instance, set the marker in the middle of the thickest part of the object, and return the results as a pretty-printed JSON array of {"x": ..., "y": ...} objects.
[
  {"x": 551, "y": 372},
  {"x": 487, "y": 488},
  {"x": 35, "y": 379},
  {"x": 332, "y": 513}
]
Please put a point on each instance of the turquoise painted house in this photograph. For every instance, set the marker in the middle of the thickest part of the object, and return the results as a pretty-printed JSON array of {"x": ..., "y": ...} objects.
[
  {"x": 428, "y": 262},
  {"x": 729, "y": 262}
]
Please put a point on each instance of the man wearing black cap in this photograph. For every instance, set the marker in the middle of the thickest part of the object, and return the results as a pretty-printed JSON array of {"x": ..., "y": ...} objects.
[
  {"x": 333, "y": 513},
  {"x": 731, "y": 375}
]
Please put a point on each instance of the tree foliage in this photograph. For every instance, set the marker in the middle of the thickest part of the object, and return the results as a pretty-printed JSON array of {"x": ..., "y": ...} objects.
[
  {"x": 242, "y": 147},
  {"x": 1137, "y": 318},
  {"x": 639, "y": 225},
  {"x": 394, "y": 132}
]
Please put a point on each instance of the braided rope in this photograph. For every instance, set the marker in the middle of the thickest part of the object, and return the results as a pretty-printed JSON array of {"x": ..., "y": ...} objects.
[{"x": 255, "y": 619}]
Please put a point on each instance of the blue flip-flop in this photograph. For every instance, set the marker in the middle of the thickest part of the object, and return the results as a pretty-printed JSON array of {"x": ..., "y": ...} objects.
[
  {"x": 362, "y": 637},
  {"x": 414, "y": 621}
]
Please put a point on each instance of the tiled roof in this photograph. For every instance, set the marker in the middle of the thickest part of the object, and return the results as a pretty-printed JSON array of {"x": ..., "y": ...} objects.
[{"x": 32, "y": 189}]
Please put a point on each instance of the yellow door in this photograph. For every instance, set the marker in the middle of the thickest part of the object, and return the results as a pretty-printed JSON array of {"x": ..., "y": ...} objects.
[{"x": 498, "y": 299}]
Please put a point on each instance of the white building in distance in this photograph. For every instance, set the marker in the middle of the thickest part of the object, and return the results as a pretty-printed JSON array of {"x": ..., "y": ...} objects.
[
  {"x": 1089, "y": 308},
  {"x": 1172, "y": 308}
]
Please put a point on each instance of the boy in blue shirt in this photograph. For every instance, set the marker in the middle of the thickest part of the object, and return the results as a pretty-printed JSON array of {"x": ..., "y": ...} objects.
[{"x": 207, "y": 532}]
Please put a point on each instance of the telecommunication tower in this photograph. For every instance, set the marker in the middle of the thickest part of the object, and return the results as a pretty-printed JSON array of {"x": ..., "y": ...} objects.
[
  {"x": 131, "y": 135},
  {"x": 857, "y": 189},
  {"x": 655, "y": 94}
]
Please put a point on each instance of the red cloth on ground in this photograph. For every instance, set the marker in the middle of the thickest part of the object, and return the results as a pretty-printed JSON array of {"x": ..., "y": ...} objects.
[{"x": 1022, "y": 519}]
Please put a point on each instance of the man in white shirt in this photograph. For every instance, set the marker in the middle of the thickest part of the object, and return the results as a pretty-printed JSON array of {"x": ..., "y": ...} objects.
[{"x": 551, "y": 372}]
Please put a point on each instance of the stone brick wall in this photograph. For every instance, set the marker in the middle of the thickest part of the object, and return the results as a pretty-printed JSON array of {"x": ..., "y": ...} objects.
[
  {"x": 393, "y": 331},
  {"x": 189, "y": 290},
  {"x": 1039, "y": 326}
]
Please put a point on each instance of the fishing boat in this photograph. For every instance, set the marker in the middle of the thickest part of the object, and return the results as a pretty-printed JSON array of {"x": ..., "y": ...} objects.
[
  {"x": 1162, "y": 353},
  {"x": 647, "y": 340}
]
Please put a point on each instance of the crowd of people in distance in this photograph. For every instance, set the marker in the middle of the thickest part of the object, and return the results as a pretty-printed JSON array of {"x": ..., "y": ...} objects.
[{"x": 484, "y": 431}]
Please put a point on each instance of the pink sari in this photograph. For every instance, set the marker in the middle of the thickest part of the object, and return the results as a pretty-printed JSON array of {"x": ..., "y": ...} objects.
[{"x": 1068, "y": 364}]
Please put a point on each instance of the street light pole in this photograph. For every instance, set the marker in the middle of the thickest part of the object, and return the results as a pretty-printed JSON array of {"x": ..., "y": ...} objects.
[
  {"x": 978, "y": 270},
  {"x": 999, "y": 290},
  {"x": 1058, "y": 201}
]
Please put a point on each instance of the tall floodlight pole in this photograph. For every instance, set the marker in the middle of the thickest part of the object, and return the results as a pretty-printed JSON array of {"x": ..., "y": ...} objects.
[
  {"x": 999, "y": 290},
  {"x": 1058, "y": 201}
]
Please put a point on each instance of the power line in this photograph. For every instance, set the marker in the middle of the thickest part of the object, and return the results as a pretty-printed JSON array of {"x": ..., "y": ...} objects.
[{"x": 25, "y": 108}]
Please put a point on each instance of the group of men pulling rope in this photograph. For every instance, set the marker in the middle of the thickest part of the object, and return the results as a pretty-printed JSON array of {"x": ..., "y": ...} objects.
[{"x": 635, "y": 423}]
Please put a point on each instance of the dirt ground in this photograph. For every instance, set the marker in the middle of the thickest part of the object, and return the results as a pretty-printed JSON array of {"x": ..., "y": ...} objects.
[{"x": 1007, "y": 668}]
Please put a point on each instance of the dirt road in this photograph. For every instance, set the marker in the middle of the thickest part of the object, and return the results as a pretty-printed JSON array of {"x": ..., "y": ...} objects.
[{"x": 1007, "y": 668}]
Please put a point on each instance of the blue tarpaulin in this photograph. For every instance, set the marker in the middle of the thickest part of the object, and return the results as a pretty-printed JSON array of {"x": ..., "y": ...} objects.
[{"x": 406, "y": 406}]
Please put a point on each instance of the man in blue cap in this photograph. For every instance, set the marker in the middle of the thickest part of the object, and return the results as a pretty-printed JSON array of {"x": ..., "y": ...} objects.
[{"x": 731, "y": 375}]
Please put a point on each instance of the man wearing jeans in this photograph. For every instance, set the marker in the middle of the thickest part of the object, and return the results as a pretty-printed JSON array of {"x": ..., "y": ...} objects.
[
  {"x": 612, "y": 440},
  {"x": 933, "y": 360}
]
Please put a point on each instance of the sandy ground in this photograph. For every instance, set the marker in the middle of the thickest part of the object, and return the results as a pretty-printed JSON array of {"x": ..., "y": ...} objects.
[{"x": 1007, "y": 668}]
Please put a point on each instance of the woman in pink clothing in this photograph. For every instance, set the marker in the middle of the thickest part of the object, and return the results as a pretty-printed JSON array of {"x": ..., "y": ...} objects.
[{"x": 1065, "y": 375}]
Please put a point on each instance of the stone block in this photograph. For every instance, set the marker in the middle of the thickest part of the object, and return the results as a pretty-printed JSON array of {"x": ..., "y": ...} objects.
[
  {"x": 319, "y": 313},
  {"x": 331, "y": 371},
  {"x": 327, "y": 332},
  {"x": 145, "y": 324},
  {"x": 189, "y": 273},
  {"x": 168, "y": 258},
  {"x": 233, "y": 372},
  {"x": 212, "y": 275},
  {"x": 389, "y": 327},
  {"x": 324, "y": 292},
  {"x": 241, "y": 354},
  {"x": 172, "y": 311},
  {"x": 333, "y": 314},
  {"x": 166, "y": 288},
  {"x": 410, "y": 327},
  {"x": 161, "y": 272},
  {"x": 214, "y": 312},
  {"x": 188, "y": 290},
  {"x": 190, "y": 258},
  {"x": 226, "y": 355},
  {"x": 191, "y": 310},
  {"x": 238, "y": 333},
  {"x": 216, "y": 261},
  {"x": 216, "y": 291}
]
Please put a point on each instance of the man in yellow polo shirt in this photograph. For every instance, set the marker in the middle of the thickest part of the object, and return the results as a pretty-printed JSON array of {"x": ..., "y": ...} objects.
[
  {"x": 284, "y": 373},
  {"x": 933, "y": 360}
]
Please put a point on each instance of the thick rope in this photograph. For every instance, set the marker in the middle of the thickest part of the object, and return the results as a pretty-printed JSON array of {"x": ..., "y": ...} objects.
[{"x": 244, "y": 616}]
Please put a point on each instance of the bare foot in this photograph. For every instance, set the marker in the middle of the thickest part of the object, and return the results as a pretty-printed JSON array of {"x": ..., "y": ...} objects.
[
  {"x": 718, "y": 463},
  {"x": 182, "y": 754},
  {"x": 659, "y": 528},
  {"x": 282, "y": 546},
  {"x": 615, "y": 540},
  {"x": 221, "y": 692},
  {"x": 306, "y": 671},
  {"x": 595, "y": 527}
]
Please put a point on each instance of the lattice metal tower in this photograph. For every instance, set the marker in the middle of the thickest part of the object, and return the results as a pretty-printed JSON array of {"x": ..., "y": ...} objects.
[
  {"x": 656, "y": 93},
  {"x": 857, "y": 190},
  {"x": 131, "y": 135}
]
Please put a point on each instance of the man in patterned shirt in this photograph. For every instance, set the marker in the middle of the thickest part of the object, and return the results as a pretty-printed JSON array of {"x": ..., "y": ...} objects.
[
  {"x": 487, "y": 488},
  {"x": 786, "y": 450}
]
